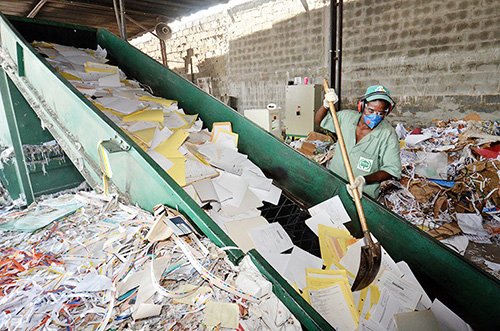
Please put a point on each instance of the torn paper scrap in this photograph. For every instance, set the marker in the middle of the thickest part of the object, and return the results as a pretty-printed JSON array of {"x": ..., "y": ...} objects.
[
  {"x": 146, "y": 310},
  {"x": 226, "y": 315}
]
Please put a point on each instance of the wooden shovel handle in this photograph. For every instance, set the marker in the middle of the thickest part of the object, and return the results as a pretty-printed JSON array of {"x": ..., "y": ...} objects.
[{"x": 347, "y": 165}]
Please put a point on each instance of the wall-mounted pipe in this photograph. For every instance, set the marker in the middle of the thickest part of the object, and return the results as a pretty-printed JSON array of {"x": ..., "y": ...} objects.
[{"x": 336, "y": 9}]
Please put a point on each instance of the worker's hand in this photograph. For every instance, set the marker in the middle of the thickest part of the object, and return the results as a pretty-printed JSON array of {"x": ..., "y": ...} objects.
[
  {"x": 330, "y": 96},
  {"x": 359, "y": 182}
]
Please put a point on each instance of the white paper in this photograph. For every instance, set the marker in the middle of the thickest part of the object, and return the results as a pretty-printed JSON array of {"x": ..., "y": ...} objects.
[
  {"x": 160, "y": 136},
  {"x": 322, "y": 218},
  {"x": 138, "y": 126},
  {"x": 272, "y": 196},
  {"x": 196, "y": 170},
  {"x": 334, "y": 208},
  {"x": 492, "y": 265},
  {"x": 253, "y": 283},
  {"x": 239, "y": 231},
  {"x": 299, "y": 260},
  {"x": 271, "y": 238},
  {"x": 405, "y": 291},
  {"x": 146, "y": 310},
  {"x": 205, "y": 190},
  {"x": 223, "y": 218},
  {"x": 222, "y": 193},
  {"x": 247, "y": 164},
  {"x": 93, "y": 282},
  {"x": 457, "y": 243},
  {"x": 146, "y": 288},
  {"x": 432, "y": 165},
  {"x": 471, "y": 224},
  {"x": 112, "y": 80},
  {"x": 236, "y": 185},
  {"x": 223, "y": 158},
  {"x": 331, "y": 304},
  {"x": 414, "y": 139},
  {"x": 276, "y": 316},
  {"x": 425, "y": 302},
  {"x": 121, "y": 105},
  {"x": 277, "y": 261},
  {"x": 385, "y": 310},
  {"x": 174, "y": 120},
  {"x": 227, "y": 140},
  {"x": 255, "y": 180},
  {"x": 162, "y": 161},
  {"x": 192, "y": 193},
  {"x": 447, "y": 319}
]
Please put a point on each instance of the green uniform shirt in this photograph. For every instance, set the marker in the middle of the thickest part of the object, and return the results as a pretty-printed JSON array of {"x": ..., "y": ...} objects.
[{"x": 378, "y": 150}]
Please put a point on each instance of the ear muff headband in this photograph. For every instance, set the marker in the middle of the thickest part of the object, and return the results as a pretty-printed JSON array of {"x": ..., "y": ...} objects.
[{"x": 362, "y": 101}]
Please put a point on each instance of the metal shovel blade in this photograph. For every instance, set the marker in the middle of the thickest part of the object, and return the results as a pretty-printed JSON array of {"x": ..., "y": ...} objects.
[{"x": 371, "y": 257}]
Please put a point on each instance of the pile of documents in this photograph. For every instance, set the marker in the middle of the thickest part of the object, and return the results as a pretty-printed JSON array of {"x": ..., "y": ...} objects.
[
  {"x": 85, "y": 260},
  {"x": 450, "y": 184},
  {"x": 392, "y": 301},
  {"x": 206, "y": 163}
]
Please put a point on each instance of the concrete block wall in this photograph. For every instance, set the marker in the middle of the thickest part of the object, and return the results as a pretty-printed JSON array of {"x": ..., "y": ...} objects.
[{"x": 440, "y": 58}]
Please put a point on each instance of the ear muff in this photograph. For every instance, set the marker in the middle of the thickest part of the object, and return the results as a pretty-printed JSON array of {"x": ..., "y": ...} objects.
[
  {"x": 362, "y": 102},
  {"x": 361, "y": 106}
]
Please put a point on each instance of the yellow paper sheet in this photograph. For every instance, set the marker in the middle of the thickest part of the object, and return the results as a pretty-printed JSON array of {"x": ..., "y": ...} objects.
[
  {"x": 326, "y": 273},
  {"x": 173, "y": 143},
  {"x": 158, "y": 100},
  {"x": 178, "y": 170},
  {"x": 146, "y": 135},
  {"x": 169, "y": 149},
  {"x": 226, "y": 315},
  {"x": 145, "y": 115},
  {"x": 100, "y": 67},
  {"x": 69, "y": 76},
  {"x": 333, "y": 243},
  {"x": 220, "y": 126},
  {"x": 318, "y": 278}
]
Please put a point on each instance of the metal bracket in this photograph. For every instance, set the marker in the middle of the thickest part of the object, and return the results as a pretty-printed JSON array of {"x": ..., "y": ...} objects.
[{"x": 115, "y": 145}]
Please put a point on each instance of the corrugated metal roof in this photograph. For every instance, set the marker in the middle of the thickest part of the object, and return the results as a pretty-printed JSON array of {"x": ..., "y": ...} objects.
[{"x": 100, "y": 13}]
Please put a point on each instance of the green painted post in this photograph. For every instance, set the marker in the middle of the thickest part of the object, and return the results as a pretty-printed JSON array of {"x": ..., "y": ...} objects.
[{"x": 10, "y": 114}]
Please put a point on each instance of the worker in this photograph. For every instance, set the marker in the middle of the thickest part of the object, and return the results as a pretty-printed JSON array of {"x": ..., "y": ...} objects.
[{"x": 371, "y": 142}]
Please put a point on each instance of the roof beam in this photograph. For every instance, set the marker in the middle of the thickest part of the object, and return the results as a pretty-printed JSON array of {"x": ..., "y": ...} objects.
[
  {"x": 36, "y": 9},
  {"x": 95, "y": 4}
]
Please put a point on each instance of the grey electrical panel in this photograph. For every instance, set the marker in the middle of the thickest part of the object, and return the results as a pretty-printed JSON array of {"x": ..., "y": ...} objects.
[{"x": 301, "y": 103}]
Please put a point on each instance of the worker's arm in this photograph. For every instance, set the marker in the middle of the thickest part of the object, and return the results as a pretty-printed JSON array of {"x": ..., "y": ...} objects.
[
  {"x": 320, "y": 114},
  {"x": 377, "y": 177},
  {"x": 330, "y": 97}
]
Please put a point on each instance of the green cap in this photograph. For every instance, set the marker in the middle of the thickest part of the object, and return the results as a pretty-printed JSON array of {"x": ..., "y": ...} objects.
[{"x": 378, "y": 92}]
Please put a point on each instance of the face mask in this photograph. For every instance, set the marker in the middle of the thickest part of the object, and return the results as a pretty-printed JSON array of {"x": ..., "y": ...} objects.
[{"x": 372, "y": 120}]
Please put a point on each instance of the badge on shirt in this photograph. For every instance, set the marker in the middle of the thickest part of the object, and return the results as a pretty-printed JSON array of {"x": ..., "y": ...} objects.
[{"x": 365, "y": 164}]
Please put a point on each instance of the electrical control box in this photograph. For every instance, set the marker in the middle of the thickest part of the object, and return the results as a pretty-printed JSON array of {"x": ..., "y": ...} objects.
[
  {"x": 301, "y": 103},
  {"x": 268, "y": 119}
]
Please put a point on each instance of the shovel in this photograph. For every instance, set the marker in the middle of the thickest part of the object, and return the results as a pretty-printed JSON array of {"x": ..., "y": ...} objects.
[{"x": 371, "y": 255}]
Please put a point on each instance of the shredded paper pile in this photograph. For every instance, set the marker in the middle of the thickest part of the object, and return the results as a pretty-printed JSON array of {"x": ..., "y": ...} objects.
[
  {"x": 92, "y": 262},
  {"x": 450, "y": 182}
]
